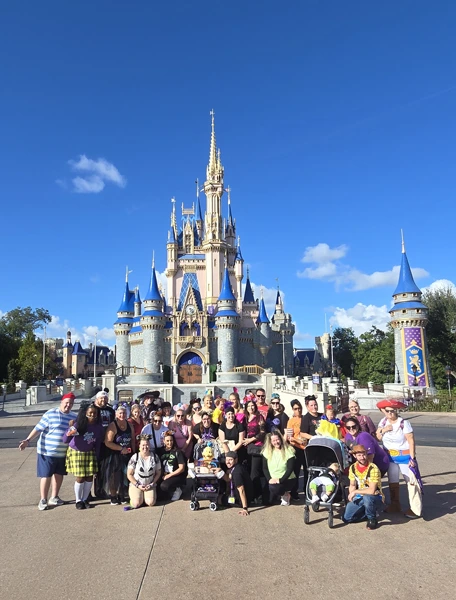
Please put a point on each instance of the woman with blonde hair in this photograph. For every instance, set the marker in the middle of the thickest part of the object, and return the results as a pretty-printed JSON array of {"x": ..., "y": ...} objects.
[
  {"x": 278, "y": 467},
  {"x": 143, "y": 472}
]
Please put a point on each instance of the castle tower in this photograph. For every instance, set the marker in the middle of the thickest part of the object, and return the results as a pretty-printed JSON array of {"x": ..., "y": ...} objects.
[
  {"x": 66, "y": 354},
  {"x": 283, "y": 331},
  {"x": 124, "y": 323},
  {"x": 239, "y": 275},
  {"x": 214, "y": 244},
  {"x": 227, "y": 323},
  {"x": 264, "y": 331},
  {"x": 153, "y": 323},
  {"x": 409, "y": 317},
  {"x": 137, "y": 302}
]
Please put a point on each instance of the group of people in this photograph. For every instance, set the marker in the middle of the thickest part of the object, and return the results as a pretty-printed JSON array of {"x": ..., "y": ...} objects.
[{"x": 134, "y": 454}]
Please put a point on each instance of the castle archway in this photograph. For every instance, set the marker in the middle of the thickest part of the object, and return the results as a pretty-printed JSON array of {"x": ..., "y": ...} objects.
[{"x": 190, "y": 368}]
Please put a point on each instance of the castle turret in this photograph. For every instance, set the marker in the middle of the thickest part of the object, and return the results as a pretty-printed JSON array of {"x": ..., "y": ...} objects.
[
  {"x": 227, "y": 323},
  {"x": 409, "y": 317},
  {"x": 152, "y": 323},
  {"x": 137, "y": 302},
  {"x": 123, "y": 325},
  {"x": 283, "y": 330},
  {"x": 230, "y": 229},
  {"x": 264, "y": 330}
]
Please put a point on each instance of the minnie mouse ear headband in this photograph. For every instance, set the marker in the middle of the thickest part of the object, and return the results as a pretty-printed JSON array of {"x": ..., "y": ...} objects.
[{"x": 391, "y": 403}]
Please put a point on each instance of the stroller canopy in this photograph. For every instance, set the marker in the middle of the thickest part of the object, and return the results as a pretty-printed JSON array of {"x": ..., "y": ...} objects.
[{"x": 321, "y": 452}]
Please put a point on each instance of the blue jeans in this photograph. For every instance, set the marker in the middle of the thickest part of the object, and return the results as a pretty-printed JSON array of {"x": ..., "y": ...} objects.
[{"x": 361, "y": 508}]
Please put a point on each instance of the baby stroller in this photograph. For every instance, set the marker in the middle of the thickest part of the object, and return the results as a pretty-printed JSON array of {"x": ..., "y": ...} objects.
[
  {"x": 205, "y": 485},
  {"x": 321, "y": 452}
]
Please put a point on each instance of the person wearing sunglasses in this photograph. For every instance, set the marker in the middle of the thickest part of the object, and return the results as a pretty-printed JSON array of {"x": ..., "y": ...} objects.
[
  {"x": 365, "y": 422},
  {"x": 194, "y": 411},
  {"x": 375, "y": 453},
  {"x": 182, "y": 430},
  {"x": 398, "y": 440},
  {"x": 156, "y": 431},
  {"x": 276, "y": 418},
  {"x": 263, "y": 408},
  {"x": 295, "y": 437}
]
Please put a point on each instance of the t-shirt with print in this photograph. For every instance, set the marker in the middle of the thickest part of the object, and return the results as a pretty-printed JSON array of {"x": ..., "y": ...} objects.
[
  {"x": 53, "y": 426},
  {"x": 396, "y": 440},
  {"x": 171, "y": 460},
  {"x": 309, "y": 423},
  {"x": 107, "y": 415},
  {"x": 145, "y": 469},
  {"x": 364, "y": 476},
  {"x": 90, "y": 440}
]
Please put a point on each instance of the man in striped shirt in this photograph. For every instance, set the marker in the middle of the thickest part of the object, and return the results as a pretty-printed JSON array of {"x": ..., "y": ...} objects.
[{"x": 51, "y": 450}]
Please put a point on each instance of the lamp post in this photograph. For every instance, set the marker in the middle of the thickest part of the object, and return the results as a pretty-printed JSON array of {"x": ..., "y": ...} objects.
[
  {"x": 352, "y": 367},
  {"x": 95, "y": 360},
  {"x": 44, "y": 348},
  {"x": 332, "y": 351},
  {"x": 414, "y": 369},
  {"x": 448, "y": 374}
]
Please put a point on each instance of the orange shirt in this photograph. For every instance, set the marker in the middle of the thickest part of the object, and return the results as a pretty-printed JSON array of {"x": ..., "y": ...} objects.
[{"x": 295, "y": 424}]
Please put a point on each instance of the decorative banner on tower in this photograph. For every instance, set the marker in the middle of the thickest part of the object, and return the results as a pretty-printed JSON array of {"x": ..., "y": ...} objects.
[{"x": 414, "y": 354}]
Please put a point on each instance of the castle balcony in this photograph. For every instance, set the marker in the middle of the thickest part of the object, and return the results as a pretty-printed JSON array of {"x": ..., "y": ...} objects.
[
  {"x": 250, "y": 369},
  {"x": 126, "y": 371},
  {"x": 190, "y": 341}
]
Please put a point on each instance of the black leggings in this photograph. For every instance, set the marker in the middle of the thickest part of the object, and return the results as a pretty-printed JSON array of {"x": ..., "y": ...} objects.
[
  {"x": 300, "y": 462},
  {"x": 278, "y": 489},
  {"x": 169, "y": 486},
  {"x": 256, "y": 473}
]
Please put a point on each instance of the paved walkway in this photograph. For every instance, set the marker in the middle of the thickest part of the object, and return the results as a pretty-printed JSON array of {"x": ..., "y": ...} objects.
[{"x": 169, "y": 552}]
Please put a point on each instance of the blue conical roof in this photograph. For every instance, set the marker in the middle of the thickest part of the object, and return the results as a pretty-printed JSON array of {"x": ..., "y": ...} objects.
[
  {"x": 153, "y": 292},
  {"x": 137, "y": 296},
  {"x": 226, "y": 292},
  {"x": 248, "y": 294},
  {"x": 198, "y": 215},
  {"x": 126, "y": 300},
  {"x": 278, "y": 298},
  {"x": 262, "y": 317},
  {"x": 238, "y": 253},
  {"x": 406, "y": 283}
]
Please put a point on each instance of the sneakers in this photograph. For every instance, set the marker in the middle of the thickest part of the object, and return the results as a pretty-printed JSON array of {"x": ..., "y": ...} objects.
[
  {"x": 43, "y": 504},
  {"x": 371, "y": 524},
  {"x": 411, "y": 515},
  {"x": 87, "y": 504},
  {"x": 177, "y": 494},
  {"x": 56, "y": 501},
  {"x": 115, "y": 501},
  {"x": 80, "y": 505},
  {"x": 324, "y": 497},
  {"x": 315, "y": 499},
  {"x": 285, "y": 500}
]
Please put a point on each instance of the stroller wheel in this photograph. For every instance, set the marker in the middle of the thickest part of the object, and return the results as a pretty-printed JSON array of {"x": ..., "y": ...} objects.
[
  {"x": 330, "y": 520},
  {"x": 213, "y": 506},
  {"x": 194, "y": 505},
  {"x": 306, "y": 515},
  {"x": 315, "y": 506}
]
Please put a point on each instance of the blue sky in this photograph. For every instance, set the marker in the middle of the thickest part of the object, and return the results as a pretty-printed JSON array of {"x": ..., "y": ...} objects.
[{"x": 336, "y": 123}]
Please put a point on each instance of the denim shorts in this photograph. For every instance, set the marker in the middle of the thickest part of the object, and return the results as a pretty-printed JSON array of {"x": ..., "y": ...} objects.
[{"x": 47, "y": 466}]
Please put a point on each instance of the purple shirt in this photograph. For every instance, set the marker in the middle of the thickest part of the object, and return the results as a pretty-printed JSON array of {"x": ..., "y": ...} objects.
[
  {"x": 90, "y": 440},
  {"x": 381, "y": 458}
]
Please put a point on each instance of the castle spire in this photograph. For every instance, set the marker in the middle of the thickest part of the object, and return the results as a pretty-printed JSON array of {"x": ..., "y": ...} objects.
[
  {"x": 212, "y": 166},
  {"x": 249, "y": 298},
  {"x": 406, "y": 283},
  {"x": 226, "y": 292}
]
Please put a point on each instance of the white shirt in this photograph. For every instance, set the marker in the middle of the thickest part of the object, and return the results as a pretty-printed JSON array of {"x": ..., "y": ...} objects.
[
  {"x": 396, "y": 440},
  {"x": 156, "y": 440}
]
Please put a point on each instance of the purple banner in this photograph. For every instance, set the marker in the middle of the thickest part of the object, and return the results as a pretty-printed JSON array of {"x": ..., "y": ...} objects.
[{"x": 414, "y": 356}]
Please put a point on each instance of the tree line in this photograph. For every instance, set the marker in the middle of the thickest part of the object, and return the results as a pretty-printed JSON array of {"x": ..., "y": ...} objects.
[
  {"x": 372, "y": 353},
  {"x": 21, "y": 351}
]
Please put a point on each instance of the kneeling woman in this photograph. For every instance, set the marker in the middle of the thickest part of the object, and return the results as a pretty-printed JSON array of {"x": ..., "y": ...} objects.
[
  {"x": 278, "y": 467},
  {"x": 85, "y": 437},
  {"x": 174, "y": 467},
  {"x": 143, "y": 472}
]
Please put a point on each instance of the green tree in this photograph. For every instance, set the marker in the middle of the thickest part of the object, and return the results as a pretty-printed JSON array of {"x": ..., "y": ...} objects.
[
  {"x": 374, "y": 356},
  {"x": 29, "y": 360},
  {"x": 440, "y": 332},
  {"x": 345, "y": 345},
  {"x": 15, "y": 325}
]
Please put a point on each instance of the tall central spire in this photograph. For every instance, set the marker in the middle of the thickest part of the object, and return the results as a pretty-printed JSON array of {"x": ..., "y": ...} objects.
[{"x": 214, "y": 170}]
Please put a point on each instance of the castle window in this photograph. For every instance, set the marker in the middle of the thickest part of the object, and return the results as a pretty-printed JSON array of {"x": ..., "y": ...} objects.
[
  {"x": 418, "y": 310},
  {"x": 403, "y": 312},
  {"x": 404, "y": 295}
]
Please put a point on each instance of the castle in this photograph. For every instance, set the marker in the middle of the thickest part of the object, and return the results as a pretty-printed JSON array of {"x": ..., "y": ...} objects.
[{"x": 207, "y": 326}]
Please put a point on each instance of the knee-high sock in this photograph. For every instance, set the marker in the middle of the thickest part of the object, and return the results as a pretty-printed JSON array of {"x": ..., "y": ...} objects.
[
  {"x": 87, "y": 488},
  {"x": 78, "y": 491}
]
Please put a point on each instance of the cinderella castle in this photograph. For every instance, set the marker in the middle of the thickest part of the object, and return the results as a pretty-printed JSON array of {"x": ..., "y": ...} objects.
[{"x": 207, "y": 325}]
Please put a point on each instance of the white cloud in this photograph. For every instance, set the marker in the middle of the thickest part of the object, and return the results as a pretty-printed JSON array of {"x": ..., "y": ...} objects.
[
  {"x": 96, "y": 174},
  {"x": 58, "y": 328},
  {"x": 441, "y": 285},
  {"x": 300, "y": 336},
  {"x": 361, "y": 317},
  {"x": 328, "y": 267}
]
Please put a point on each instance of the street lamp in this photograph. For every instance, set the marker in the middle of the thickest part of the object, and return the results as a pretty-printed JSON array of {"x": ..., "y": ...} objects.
[
  {"x": 95, "y": 360},
  {"x": 352, "y": 367},
  {"x": 448, "y": 374},
  {"x": 44, "y": 347},
  {"x": 414, "y": 369}
]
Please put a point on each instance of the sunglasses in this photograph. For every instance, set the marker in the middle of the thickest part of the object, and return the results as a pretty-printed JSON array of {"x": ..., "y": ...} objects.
[
  {"x": 393, "y": 410},
  {"x": 196, "y": 407},
  {"x": 157, "y": 421},
  {"x": 297, "y": 408},
  {"x": 350, "y": 427},
  {"x": 179, "y": 416},
  {"x": 260, "y": 396},
  {"x": 274, "y": 402}
]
